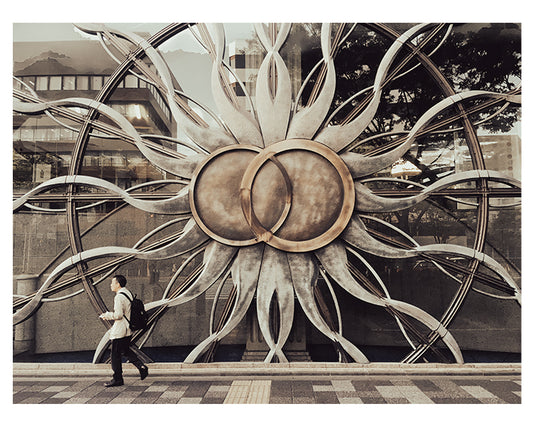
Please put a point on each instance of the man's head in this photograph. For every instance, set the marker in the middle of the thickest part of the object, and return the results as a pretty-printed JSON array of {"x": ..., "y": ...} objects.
[{"x": 117, "y": 282}]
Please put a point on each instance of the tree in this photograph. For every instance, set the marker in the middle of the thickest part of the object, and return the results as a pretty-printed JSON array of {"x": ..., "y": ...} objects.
[{"x": 474, "y": 56}]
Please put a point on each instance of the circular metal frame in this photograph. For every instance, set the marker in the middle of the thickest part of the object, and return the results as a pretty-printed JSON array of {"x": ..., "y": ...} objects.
[
  {"x": 348, "y": 196},
  {"x": 199, "y": 215}
]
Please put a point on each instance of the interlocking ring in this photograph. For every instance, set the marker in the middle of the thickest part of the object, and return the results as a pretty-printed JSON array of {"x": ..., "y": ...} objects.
[{"x": 296, "y": 195}]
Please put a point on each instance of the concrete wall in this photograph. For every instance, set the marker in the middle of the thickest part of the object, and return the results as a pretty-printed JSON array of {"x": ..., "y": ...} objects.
[{"x": 72, "y": 325}]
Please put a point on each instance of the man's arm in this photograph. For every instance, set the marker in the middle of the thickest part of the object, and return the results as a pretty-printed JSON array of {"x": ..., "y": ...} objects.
[{"x": 118, "y": 313}]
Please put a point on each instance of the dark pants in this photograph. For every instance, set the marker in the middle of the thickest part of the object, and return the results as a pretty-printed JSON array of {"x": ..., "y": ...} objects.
[{"x": 121, "y": 347}]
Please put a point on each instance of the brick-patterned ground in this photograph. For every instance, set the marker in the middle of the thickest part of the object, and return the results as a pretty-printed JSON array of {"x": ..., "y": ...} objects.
[{"x": 417, "y": 389}]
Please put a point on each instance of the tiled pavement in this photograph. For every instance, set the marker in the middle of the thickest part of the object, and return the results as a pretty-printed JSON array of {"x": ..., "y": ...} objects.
[{"x": 307, "y": 388}]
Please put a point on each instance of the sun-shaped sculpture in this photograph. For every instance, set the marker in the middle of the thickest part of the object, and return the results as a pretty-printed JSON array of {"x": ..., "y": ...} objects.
[{"x": 276, "y": 196}]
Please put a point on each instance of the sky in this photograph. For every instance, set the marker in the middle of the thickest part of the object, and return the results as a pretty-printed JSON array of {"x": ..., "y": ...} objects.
[{"x": 49, "y": 31}]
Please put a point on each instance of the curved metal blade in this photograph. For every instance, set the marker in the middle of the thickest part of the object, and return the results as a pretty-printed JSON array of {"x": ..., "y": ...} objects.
[
  {"x": 170, "y": 164},
  {"x": 308, "y": 120},
  {"x": 305, "y": 274},
  {"x": 366, "y": 201},
  {"x": 175, "y": 205},
  {"x": 217, "y": 258},
  {"x": 337, "y": 137},
  {"x": 357, "y": 235},
  {"x": 102, "y": 346},
  {"x": 245, "y": 274},
  {"x": 333, "y": 258},
  {"x": 273, "y": 108},
  {"x": 205, "y": 137},
  {"x": 192, "y": 237},
  {"x": 275, "y": 277},
  {"x": 241, "y": 123}
]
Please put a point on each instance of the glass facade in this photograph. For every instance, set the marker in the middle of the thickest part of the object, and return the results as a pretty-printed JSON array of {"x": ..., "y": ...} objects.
[{"x": 475, "y": 134}]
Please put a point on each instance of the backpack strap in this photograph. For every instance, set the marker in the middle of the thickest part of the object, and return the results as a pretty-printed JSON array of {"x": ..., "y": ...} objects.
[{"x": 131, "y": 300}]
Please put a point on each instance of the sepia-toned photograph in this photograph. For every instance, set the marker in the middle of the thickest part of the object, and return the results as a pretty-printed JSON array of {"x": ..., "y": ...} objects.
[{"x": 267, "y": 213}]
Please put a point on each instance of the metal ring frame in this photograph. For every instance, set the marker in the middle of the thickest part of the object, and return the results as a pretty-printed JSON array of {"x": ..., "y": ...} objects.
[{"x": 347, "y": 202}]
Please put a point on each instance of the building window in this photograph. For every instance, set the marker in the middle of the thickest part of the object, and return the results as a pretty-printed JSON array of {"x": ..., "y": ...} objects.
[
  {"x": 130, "y": 82},
  {"x": 55, "y": 82},
  {"x": 66, "y": 134},
  {"x": 121, "y": 108},
  {"x": 26, "y": 134},
  {"x": 53, "y": 134},
  {"x": 96, "y": 82},
  {"x": 41, "y": 134},
  {"x": 69, "y": 82},
  {"x": 134, "y": 111},
  {"x": 42, "y": 83},
  {"x": 240, "y": 61},
  {"x": 82, "y": 82}
]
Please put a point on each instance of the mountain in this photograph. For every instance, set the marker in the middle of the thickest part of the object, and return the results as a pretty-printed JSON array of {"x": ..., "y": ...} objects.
[{"x": 84, "y": 56}]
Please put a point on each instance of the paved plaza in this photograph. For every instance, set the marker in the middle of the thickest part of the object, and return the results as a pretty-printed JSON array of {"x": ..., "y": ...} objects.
[{"x": 257, "y": 383}]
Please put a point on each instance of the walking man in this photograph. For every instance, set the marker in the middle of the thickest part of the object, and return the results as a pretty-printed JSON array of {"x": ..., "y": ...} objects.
[{"x": 120, "y": 333}]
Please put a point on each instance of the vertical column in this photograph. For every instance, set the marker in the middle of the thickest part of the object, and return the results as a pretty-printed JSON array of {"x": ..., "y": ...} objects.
[
  {"x": 256, "y": 347},
  {"x": 295, "y": 349},
  {"x": 24, "y": 333}
]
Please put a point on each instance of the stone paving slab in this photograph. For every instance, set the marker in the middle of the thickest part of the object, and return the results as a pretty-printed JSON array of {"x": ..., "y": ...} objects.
[{"x": 430, "y": 389}]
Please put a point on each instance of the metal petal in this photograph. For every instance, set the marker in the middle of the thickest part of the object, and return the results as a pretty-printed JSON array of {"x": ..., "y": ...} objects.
[
  {"x": 305, "y": 274},
  {"x": 185, "y": 167},
  {"x": 366, "y": 201},
  {"x": 398, "y": 76},
  {"x": 241, "y": 123},
  {"x": 245, "y": 274},
  {"x": 337, "y": 137},
  {"x": 360, "y": 165},
  {"x": 412, "y": 241},
  {"x": 308, "y": 120},
  {"x": 487, "y": 261},
  {"x": 385, "y": 291},
  {"x": 262, "y": 30},
  {"x": 191, "y": 238},
  {"x": 208, "y": 138},
  {"x": 333, "y": 258},
  {"x": 31, "y": 307},
  {"x": 275, "y": 277},
  {"x": 274, "y": 109},
  {"x": 357, "y": 236},
  {"x": 169, "y": 164},
  {"x": 217, "y": 258},
  {"x": 175, "y": 205}
]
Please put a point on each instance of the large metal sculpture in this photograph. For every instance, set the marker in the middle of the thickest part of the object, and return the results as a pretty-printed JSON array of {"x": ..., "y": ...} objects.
[{"x": 274, "y": 198}]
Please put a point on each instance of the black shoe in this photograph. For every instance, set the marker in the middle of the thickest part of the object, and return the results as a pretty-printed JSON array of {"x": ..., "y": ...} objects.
[
  {"x": 114, "y": 383},
  {"x": 143, "y": 371}
]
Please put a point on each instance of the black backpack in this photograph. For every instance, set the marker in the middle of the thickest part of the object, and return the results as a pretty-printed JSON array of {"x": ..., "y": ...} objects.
[{"x": 138, "y": 317}]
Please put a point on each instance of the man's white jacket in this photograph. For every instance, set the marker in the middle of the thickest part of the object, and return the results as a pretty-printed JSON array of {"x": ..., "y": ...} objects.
[{"x": 122, "y": 309}]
